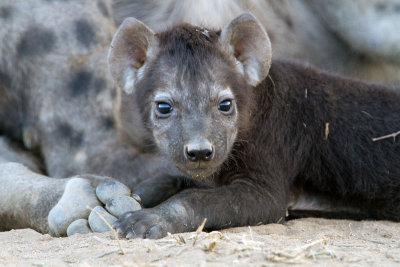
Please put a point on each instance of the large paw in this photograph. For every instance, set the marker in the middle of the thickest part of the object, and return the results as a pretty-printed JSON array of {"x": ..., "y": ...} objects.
[
  {"x": 145, "y": 223},
  {"x": 110, "y": 199},
  {"x": 78, "y": 194}
]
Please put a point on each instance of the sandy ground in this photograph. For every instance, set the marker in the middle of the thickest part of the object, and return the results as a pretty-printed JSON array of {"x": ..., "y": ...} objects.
[{"x": 303, "y": 242}]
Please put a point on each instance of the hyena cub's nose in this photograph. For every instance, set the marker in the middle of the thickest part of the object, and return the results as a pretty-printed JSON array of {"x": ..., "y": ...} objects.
[{"x": 199, "y": 151}]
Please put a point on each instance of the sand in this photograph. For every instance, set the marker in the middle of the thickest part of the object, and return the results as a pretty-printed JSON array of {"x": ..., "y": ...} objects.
[{"x": 303, "y": 242}]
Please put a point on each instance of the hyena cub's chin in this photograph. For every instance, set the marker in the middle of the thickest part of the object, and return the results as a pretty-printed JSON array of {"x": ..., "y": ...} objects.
[{"x": 192, "y": 86}]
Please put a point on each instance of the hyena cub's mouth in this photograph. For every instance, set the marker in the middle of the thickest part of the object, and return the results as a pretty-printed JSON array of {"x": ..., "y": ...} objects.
[
  {"x": 198, "y": 170},
  {"x": 199, "y": 173}
]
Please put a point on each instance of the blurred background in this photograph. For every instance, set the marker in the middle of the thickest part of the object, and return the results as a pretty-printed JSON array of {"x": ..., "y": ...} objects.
[{"x": 355, "y": 38}]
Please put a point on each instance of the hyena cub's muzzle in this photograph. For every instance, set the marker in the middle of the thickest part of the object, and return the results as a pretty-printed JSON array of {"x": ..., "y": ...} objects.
[{"x": 199, "y": 150}]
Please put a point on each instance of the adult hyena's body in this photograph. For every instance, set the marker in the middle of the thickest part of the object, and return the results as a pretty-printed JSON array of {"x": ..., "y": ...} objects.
[
  {"x": 49, "y": 65},
  {"x": 58, "y": 99},
  {"x": 57, "y": 94}
]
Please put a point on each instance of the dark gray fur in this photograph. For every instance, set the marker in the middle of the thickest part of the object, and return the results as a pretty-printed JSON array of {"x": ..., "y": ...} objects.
[
  {"x": 84, "y": 32},
  {"x": 301, "y": 133},
  {"x": 36, "y": 41},
  {"x": 6, "y": 12}
]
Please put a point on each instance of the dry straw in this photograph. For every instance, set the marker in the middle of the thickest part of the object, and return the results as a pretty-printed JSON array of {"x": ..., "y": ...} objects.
[{"x": 109, "y": 226}]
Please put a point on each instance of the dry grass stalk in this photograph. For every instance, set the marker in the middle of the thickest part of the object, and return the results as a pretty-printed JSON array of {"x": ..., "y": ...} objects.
[
  {"x": 199, "y": 230},
  {"x": 178, "y": 238},
  {"x": 201, "y": 226},
  {"x": 393, "y": 135},
  {"x": 211, "y": 246},
  {"x": 109, "y": 226},
  {"x": 295, "y": 255},
  {"x": 326, "y": 130},
  {"x": 272, "y": 81}
]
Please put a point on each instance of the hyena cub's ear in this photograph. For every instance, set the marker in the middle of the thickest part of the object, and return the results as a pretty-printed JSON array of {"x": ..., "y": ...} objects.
[
  {"x": 129, "y": 49},
  {"x": 247, "y": 41}
]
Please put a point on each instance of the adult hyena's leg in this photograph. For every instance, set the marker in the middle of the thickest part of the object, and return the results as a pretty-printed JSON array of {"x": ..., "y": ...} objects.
[
  {"x": 50, "y": 205},
  {"x": 11, "y": 152},
  {"x": 45, "y": 204}
]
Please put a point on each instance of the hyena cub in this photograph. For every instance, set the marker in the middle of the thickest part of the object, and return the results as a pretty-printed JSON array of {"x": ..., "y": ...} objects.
[{"x": 270, "y": 137}]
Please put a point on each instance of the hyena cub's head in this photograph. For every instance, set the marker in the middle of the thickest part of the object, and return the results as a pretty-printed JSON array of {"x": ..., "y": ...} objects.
[{"x": 192, "y": 87}]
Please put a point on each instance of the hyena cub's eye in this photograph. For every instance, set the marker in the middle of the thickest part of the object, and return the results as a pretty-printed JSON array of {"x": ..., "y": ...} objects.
[
  {"x": 225, "y": 106},
  {"x": 164, "y": 108}
]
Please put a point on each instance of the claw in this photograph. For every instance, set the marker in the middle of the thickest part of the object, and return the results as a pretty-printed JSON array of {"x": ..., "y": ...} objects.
[
  {"x": 130, "y": 235},
  {"x": 137, "y": 198}
]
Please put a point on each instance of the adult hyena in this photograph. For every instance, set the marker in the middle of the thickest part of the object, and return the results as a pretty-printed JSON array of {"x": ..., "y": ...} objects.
[{"x": 58, "y": 99}]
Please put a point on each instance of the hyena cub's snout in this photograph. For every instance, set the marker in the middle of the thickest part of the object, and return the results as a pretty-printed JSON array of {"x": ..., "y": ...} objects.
[
  {"x": 201, "y": 157},
  {"x": 199, "y": 150}
]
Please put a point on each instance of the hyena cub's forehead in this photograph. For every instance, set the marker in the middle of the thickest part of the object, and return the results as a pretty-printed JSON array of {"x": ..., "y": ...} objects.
[
  {"x": 185, "y": 38},
  {"x": 190, "y": 56},
  {"x": 191, "y": 50}
]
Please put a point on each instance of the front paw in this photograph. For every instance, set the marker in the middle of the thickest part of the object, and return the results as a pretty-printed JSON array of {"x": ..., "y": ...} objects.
[
  {"x": 146, "y": 223},
  {"x": 78, "y": 193},
  {"x": 71, "y": 214}
]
